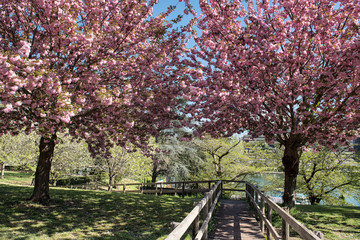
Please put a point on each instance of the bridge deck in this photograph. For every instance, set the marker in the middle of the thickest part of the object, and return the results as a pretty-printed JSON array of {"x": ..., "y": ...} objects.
[{"x": 235, "y": 221}]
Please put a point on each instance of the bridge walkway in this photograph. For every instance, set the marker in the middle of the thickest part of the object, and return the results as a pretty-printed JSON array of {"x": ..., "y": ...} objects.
[{"x": 235, "y": 221}]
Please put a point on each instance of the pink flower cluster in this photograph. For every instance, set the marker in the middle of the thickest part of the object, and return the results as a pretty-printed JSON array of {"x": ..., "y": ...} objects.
[
  {"x": 109, "y": 71},
  {"x": 288, "y": 70}
]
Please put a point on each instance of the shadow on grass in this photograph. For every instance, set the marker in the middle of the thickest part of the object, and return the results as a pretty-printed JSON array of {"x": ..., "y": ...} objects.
[
  {"x": 336, "y": 222},
  {"x": 74, "y": 214}
]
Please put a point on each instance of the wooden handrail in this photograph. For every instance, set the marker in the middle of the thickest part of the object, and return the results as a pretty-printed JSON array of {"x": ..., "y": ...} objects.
[
  {"x": 170, "y": 183},
  {"x": 208, "y": 201},
  {"x": 205, "y": 225},
  {"x": 253, "y": 194}
]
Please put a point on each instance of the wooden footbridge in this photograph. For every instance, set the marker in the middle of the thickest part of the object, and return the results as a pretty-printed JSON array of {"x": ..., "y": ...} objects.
[{"x": 234, "y": 219}]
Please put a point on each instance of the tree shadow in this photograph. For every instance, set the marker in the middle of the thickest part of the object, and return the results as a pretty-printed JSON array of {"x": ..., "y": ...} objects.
[{"x": 89, "y": 214}]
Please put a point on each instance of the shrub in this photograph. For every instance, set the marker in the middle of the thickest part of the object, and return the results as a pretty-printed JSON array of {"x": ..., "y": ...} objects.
[{"x": 75, "y": 180}]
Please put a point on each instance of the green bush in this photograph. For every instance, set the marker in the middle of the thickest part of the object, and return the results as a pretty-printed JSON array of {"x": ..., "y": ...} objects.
[
  {"x": 20, "y": 168},
  {"x": 71, "y": 181},
  {"x": 99, "y": 177}
]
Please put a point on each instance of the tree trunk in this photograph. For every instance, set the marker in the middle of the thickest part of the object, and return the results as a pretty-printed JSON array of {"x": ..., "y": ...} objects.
[
  {"x": 111, "y": 182},
  {"x": 314, "y": 200},
  {"x": 291, "y": 168},
  {"x": 154, "y": 172},
  {"x": 42, "y": 175},
  {"x": 2, "y": 165}
]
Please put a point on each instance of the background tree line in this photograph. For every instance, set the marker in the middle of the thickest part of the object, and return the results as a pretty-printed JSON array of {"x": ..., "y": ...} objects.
[{"x": 177, "y": 156}]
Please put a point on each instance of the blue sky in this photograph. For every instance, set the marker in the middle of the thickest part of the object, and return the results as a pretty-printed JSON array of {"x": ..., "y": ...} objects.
[{"x": 180, "y": 6}]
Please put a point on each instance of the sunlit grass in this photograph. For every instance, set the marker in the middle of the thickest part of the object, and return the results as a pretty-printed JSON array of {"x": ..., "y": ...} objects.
[
  {"x": 20, "y": 178},
  {"x": 79, "y": 214},
  {"x": 336, "y": 222}
]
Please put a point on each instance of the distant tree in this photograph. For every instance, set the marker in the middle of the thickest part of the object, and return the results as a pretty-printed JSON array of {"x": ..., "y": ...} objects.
[
  {"x": 229, "y": 158},
  {"x": 264, "y": 156},
  {"x": 357, "y": 149},
  {"x": 140, "y": 167},
  {"x": 287, "y": 70},
  {"x": 70, "y": 157},
  {"x": 176, "y": 156},
  {"x": 19, "y": 150},
  {"x": 324, "y": 172},
  {"x": 123, "y": 162},
  {"x": 222, "y": 155}
]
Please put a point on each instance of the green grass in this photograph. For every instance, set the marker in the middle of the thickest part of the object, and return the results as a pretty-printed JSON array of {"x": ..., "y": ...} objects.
[
  {"x": 19, "y": 178},
  {"x": 336, "y": 222},
  {"x": 82, "y": 214}
]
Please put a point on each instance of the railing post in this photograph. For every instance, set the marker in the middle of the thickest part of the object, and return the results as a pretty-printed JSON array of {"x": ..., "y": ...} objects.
[
  {"x": 221, "y": 187},
  {"x": 246, "y": 191},
  {"x": 196, "y": 226},
  {"x": 197, "y": 188},
  {"x": 256, "y": 200},
  {"x": 269, "y": 217},
  {"x": 319, "y": 235},
  {"x": 262, "y": 209},
  {"x": 252, "y": 192},
  {"x": 285, "y": 231},
  {"x": 206, "y": 212},
  {"x": 183, "y": 190}
]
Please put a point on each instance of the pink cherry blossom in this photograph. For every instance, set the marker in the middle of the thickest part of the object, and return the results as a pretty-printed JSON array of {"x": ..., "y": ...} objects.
[
  {"x": 88, "y": 67},
  {"x": 8, "y": 108}
]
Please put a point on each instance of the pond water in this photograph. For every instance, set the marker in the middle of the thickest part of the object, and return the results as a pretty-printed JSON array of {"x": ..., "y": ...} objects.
[{"x": 270, "y": 182}]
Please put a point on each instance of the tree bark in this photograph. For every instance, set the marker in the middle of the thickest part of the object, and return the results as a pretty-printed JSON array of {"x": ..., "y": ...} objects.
[
  {"x": 315, "y": 200},
  {"x": 111, "y": 181},
  {"x": 2, "y": 164},
  {"x": 155, "y": 172},
  {"x": 42, "y": 175},
  {"x": 291, "y": 168}
]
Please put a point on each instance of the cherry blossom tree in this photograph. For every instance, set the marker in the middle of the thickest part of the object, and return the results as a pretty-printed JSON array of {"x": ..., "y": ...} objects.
[
  {"x": 104, "y": 70},
  {"x": 284, "y": 69}
]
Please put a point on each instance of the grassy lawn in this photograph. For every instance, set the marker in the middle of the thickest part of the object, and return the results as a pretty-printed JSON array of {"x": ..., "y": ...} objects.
[
  {"x": 82, "y": 214},
  {"x": 19, "y": 178},
  {"x": 85, "y": 214},
  {"x": 336, "y": 222}
]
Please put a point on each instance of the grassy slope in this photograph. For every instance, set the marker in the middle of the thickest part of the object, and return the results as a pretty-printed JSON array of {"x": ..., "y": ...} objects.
[
  {"x": 335, "y": 222},
  {"x": 75, "y": 214},
  {"x": 20, "y": 178},
  {"x": 79, "y": 214}
]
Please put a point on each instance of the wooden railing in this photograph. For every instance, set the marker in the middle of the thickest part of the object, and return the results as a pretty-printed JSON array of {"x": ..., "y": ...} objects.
[
  {"x": 207, "y": 206},
  {"x": 264, "y": 207},
  {"x": 181, "y": 188}
]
